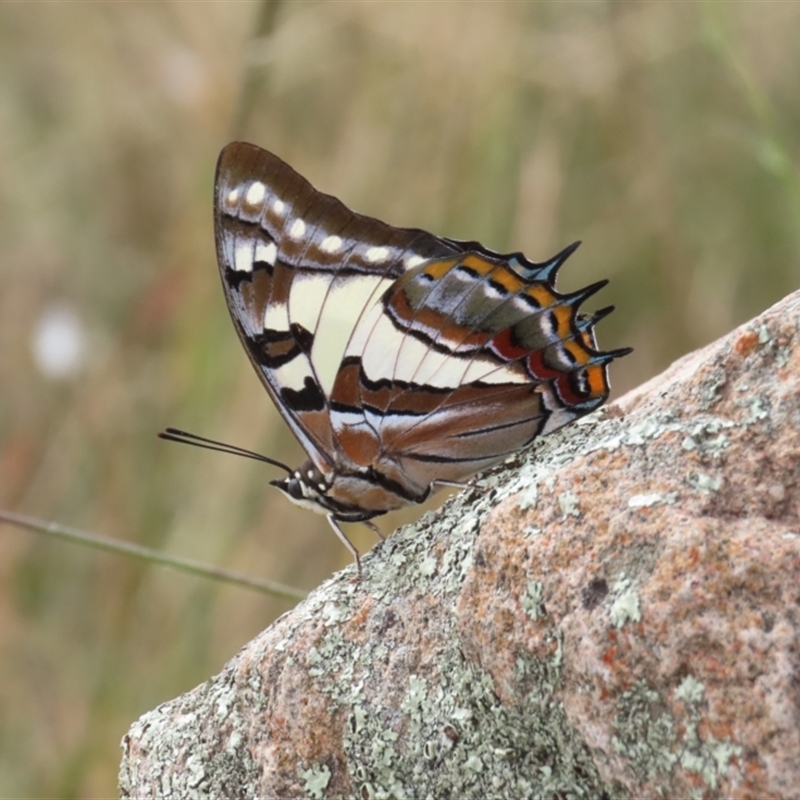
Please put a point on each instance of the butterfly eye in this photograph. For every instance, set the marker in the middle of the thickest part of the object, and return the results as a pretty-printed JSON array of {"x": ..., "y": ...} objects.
[{"x": 292, "y": 485}]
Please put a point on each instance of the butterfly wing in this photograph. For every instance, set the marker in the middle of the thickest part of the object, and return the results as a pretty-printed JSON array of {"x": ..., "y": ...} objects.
[
  {"x": 298, "y": 269},
  {"x": 465, "y": 360}
]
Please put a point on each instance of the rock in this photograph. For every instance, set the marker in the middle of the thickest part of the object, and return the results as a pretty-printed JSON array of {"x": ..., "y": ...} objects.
[{"x": 613, "y": 614}]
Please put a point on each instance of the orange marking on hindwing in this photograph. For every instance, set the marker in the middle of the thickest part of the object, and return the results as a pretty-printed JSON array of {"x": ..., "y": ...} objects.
[
  {"x": 597, "y": 379},
  {"x": 544, "y": 297},
  {"x": 437, "y": 269},
  {"x": 563, "y": 316},
  {"x": 477, "y": 264},
  {"x": 578, "y": 352}
]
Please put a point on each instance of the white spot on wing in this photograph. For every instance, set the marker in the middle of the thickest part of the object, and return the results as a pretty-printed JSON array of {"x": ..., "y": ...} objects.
[
  {"x": 256, "y": 193},
  {"x": 330, "y": 244},
  {"x": 276, "y": 317},
  {"x": 413, "y": 261},
  {"x": 278, "y": 207},
  {"x": 375, "y": 254},
  {"x": 298, "y": 229},
  {"x": 493, "y": 292},
  {"x": 243, "y": 256},
  {"x": 232, "y": 197},
  {"x": 266, "y": 252},
  {"x": 292, "y": 375}
]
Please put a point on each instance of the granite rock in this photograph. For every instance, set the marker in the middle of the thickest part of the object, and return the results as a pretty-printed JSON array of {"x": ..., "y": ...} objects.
[{"x": 612, "y": 614}]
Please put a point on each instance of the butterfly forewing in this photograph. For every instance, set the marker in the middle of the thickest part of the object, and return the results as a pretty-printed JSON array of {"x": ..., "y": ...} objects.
[{"x": 298, "y": 267}]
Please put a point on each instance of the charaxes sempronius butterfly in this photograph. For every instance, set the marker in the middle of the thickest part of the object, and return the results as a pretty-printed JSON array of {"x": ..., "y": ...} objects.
[{"x": 400, "y": 360}]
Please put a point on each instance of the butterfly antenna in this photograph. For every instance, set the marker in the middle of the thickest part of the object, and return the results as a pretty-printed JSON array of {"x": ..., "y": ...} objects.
[{"x": 175, "y": 435}]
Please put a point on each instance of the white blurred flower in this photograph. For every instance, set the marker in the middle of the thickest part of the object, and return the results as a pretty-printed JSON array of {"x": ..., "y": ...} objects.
[
  {"x": 59, "y": 342},
  {"x": 184, "y": 77}
]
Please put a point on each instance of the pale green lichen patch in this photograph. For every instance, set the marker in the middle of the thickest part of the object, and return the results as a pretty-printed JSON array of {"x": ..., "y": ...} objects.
[
  {"x": 648, "y": 737},
  {"x": 644, "y": 733},
  {"x": 705, "y": 484},
  {"x": 757, "y": 410},
  {"x": 707, "y": 436},
  {"x": 332, "y": 614},
  {"x": 316, "y": 780},
  {"x": 690, "y": 691},
  {"x": 415, "y": 697},
  {"x": 529, "y": 497},
  {"x": 531, "y": 599},
  {"x": 641, "y": 433},
  {"x": 455, "y": 739},
  {"x": 428, "y": 565},
  {"x": 568, "y": 503},
  {"x": 625, "y": 608},
  {"x": 652, "y": 499},
  {"x": 611, "y": 434},
  {"x": 716, "y": 445}
]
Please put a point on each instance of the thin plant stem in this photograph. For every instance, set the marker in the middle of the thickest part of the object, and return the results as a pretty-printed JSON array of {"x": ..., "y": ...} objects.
[{"x": 188, "y": 565}]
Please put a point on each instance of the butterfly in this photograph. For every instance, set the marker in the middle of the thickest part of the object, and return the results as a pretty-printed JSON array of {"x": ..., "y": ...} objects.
[{"x": 402, "y": 361}]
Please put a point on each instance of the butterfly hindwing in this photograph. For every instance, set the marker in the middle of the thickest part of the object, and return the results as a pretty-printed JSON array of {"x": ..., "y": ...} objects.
[{"x": 465, "y": 361}]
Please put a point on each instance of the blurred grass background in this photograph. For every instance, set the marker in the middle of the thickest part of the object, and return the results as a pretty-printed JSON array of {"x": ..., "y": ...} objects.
[{"x": 664, "y": 135}]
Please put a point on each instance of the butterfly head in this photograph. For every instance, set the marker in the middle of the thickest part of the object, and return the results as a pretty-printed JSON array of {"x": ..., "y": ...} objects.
[{"x": 306, "y": 487}]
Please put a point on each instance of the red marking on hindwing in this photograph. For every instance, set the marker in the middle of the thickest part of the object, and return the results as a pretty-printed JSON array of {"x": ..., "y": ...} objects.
[
  {"x": 505, "y": 346},
  {"x": 538, "y": 369}
]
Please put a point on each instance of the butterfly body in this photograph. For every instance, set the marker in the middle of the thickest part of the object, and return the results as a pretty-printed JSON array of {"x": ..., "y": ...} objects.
[
  {"x": 350, "y": 496},
  {"x": 399, "y": 359}
]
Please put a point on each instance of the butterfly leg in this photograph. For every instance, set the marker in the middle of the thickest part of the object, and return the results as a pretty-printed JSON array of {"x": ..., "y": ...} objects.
[
  {"x": 375, "y": 529},
  {"x": 346, "y": 542},
  {"x": 453, "y": 484}
]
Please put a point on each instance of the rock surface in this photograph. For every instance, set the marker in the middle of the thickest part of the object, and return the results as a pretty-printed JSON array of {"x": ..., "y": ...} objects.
[{"x": 615, "y": 614}]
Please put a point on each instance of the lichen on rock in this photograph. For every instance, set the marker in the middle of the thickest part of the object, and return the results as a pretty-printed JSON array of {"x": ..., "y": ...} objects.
[{"x": 612, "y": 614}]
